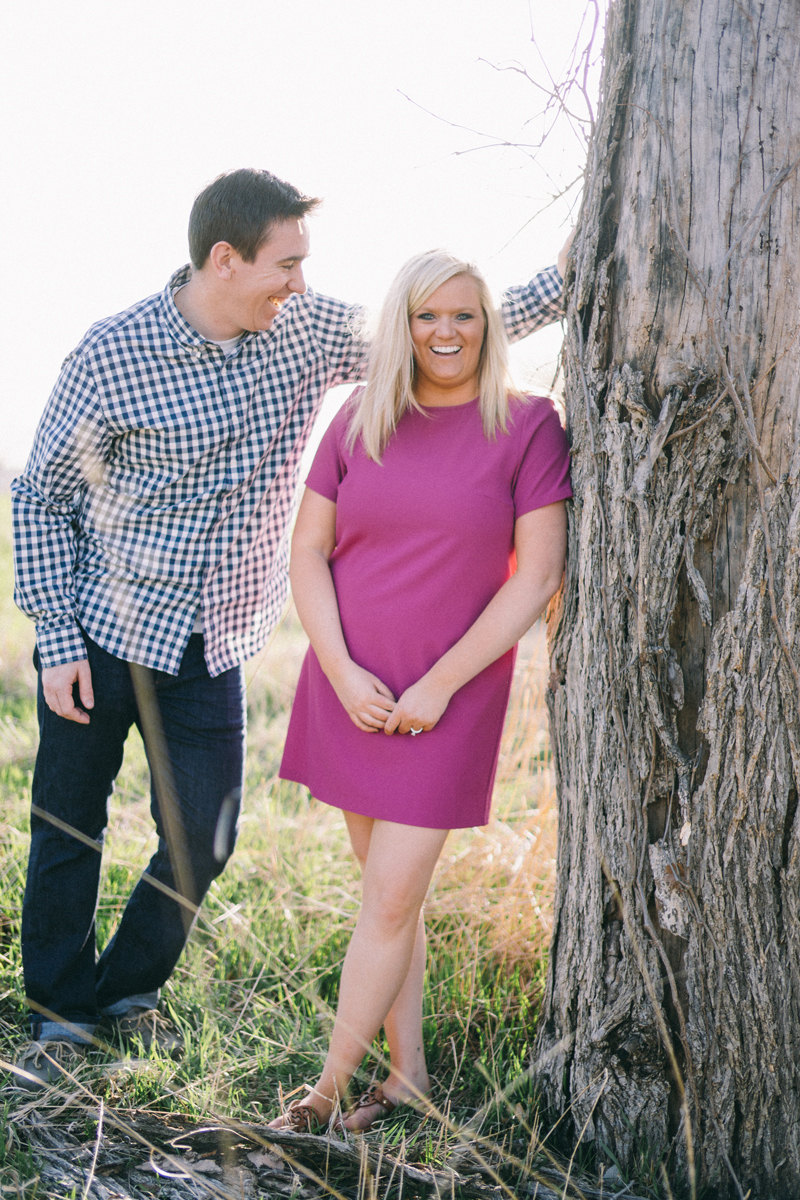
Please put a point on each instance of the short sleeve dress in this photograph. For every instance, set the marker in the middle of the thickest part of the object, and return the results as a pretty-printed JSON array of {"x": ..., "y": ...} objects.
[{"x": 424, "y": 540}]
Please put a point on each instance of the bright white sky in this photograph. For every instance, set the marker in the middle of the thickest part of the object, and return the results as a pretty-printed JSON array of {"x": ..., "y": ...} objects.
[{"x": 117, "y": 112}]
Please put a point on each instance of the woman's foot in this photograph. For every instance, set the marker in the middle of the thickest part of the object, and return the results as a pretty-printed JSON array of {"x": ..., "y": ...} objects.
[
  {"x": 376, "y": 1103},
  {"x": 302, "y": 1117}
]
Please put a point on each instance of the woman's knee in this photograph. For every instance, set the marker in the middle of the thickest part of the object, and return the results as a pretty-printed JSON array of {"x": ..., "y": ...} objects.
[{"x": 393, "y": 907}]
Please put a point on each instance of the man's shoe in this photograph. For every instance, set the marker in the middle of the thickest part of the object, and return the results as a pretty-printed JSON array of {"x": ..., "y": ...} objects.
[
  {"x": 142, "y": 1028},
  {"x": 44, "y": 1063}
]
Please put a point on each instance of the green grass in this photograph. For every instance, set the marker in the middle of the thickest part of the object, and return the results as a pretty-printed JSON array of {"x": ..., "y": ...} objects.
[{"x": 256, "y": 989}]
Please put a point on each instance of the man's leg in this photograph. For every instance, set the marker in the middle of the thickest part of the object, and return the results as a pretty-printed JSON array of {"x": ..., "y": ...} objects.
[
  {"x": 75, "y": 770},
  {"x": 203, "y": 725}
]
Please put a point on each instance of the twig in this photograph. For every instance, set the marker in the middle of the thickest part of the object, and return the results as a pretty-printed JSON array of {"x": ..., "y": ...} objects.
[{"x": 97, "y": 1142}]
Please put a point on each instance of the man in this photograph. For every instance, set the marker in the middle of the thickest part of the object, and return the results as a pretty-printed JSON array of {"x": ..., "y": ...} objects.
[{"x": 150, "y": 550}]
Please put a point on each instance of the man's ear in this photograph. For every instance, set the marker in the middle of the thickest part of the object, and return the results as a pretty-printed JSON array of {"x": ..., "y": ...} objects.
[{"x": 220, "y": 259}]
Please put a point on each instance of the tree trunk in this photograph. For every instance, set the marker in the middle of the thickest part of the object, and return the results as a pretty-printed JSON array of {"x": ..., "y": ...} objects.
[{"x": 671, "y": 1021}]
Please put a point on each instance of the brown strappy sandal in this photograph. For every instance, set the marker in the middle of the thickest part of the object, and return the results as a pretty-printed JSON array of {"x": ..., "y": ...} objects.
[
  {"x": 303, "y": 1118},
  {"x": 368, "y": 1099}
]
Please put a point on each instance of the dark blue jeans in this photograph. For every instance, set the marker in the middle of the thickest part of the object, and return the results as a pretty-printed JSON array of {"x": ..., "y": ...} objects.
[{"x": 200, "y": 725}]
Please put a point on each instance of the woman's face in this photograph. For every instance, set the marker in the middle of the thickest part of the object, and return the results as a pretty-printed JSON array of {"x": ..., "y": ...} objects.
[{"x": 447, "y": 333}]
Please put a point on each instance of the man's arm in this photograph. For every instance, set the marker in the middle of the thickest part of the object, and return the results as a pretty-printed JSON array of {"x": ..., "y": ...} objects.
[
  {"x": 68, "y": 450},
  {"x": 341, "y": 328},
  {"x": 530, "y": 306},
  {"x": 342, "y": 335}
]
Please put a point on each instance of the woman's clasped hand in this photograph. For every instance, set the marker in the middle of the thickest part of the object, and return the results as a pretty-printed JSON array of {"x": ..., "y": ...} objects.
[
  {"x": 371, "y": 706},
  {"x": 367, "y": 702},
  {"x": 419, "y": 707}
]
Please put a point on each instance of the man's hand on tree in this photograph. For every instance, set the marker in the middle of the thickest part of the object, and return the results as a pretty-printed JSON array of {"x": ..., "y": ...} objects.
[
  {"x": 563, "y": 252},
  {"x": 58, "y": 683}
]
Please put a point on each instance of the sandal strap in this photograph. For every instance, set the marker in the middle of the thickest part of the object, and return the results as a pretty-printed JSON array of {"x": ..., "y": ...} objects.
[
  {"x": 302, "y": 1118},
  {"x": 374, "y": 1095}
]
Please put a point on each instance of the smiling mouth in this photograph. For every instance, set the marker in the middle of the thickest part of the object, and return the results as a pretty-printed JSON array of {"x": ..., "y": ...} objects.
[{"x": 445, "y": 349}]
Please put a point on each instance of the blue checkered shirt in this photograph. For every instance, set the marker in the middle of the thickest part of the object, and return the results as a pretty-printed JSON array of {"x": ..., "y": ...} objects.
[{"x": 163, "y": 475}]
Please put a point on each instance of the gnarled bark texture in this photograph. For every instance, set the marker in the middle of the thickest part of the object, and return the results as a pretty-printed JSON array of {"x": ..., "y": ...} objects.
[{"x": 671, "y": 1019}]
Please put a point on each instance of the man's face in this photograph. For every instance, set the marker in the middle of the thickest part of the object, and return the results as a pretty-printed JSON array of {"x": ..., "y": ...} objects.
[{"x": 257, "y": 290}]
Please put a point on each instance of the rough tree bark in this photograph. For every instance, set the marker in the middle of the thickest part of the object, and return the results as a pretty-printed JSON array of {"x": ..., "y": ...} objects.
[{"x": 671, "y": 1019}]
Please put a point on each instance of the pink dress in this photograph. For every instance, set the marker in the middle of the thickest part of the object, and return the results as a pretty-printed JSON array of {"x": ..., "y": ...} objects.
[{"x": 423, "y": 542}]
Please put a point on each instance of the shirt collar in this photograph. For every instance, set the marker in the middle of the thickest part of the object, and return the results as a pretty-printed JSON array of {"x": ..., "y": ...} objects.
[{"x": 177, "y": 324}]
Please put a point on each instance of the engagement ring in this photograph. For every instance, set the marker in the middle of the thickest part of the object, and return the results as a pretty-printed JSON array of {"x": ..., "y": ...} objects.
[{"x": 414, "y": 732}]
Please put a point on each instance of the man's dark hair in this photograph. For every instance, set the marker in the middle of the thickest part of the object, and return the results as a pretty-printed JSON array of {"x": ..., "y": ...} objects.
[{"x": 241, "y": 208}]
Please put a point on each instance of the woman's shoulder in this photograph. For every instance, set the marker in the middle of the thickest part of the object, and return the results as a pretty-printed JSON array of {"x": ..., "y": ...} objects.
[
  {"x": 340, "y": 422},
  {"x": 528, "y": 413},
  {"x": 531, "y": 405}
]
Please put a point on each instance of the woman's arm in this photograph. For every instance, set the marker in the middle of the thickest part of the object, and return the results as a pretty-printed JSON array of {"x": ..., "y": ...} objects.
[
  {"x": 365, "y": 698},
  {"x": 540, "y": 540}
]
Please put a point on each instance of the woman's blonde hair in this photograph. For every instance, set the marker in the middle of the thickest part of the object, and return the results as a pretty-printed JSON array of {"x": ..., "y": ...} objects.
[{"x": 389, "y": 391}]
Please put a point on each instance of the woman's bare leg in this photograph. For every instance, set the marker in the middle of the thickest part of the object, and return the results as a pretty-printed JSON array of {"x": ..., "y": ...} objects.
[
  {"x": 403, "y": 1024},
  {"x": 386, "y": 944},
  {"x": 408, "y": 1070}
]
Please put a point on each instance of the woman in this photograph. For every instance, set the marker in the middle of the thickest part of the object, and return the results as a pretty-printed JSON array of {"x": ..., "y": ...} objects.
[{"x": 424, "y": 490}]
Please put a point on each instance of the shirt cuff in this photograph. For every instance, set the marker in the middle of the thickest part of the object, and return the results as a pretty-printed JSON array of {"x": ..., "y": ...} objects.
[
  {"x": 59, "y": 641},
  {"x": 529, "y": 306},
  {"x": 549, "y": 283}
]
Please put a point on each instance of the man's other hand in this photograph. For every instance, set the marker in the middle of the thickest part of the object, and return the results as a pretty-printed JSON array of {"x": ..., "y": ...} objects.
[{"x": 58, "y": 684}]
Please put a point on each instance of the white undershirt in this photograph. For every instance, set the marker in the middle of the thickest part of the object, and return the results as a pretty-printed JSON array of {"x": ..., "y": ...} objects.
[{"x": 228, "y": 346}]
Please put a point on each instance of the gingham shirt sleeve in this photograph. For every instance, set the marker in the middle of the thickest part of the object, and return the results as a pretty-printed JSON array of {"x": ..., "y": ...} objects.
[
  {"x": 341, "y": 334},
  {"x": 70, "y": 446},
  {"x": 529, "y": 306}
]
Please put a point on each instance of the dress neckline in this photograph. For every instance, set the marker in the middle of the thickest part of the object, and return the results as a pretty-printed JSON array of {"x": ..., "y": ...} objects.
[{"x": 432, "y": 408}]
